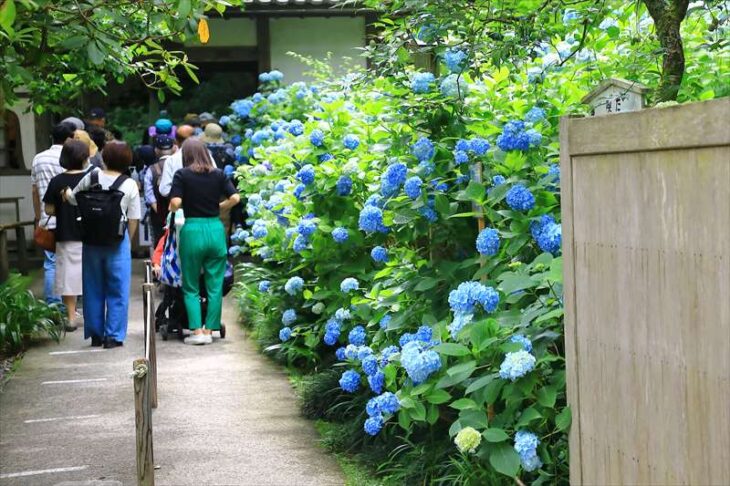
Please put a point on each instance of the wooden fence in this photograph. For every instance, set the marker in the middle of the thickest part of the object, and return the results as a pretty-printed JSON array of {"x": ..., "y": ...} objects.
[{"x": 646, "y": 241}]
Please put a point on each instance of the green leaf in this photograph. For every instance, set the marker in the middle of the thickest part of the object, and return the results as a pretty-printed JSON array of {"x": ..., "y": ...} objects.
[
  {"x": 7, "y": 16},
  {"x": 473, "y": 192},
  {"x": 469, "y": 366},
  {"x": 307, "y": 294},
  {"x": 505, "y": 460},
  {"x": 438, "y": 397},
  {"x": 184, "y": 8},
  {"x": 546, "y": 396},
  {"x": 96, "y": 55},
  {"x": 426, "y": 283},
  {"x": 480, "y": 383},
  {"x": 495, "y": 435},
  {"x": 432, "y": 415},
  {"x": 563, "y": 419},
  {"x": 404, "y": 419},
  {"x": 452, "y": 349},
  {"x": 419, "y": 412},
  {"x": 514, "y": 282},
  {"x": 441, "y": 203},
  {"x": 464, "y": 403},
  {"x": 528, "y": 416}
]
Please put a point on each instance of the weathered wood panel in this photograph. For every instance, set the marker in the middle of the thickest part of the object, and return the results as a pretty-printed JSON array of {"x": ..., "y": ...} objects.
[{"x": 646, "y": 226}]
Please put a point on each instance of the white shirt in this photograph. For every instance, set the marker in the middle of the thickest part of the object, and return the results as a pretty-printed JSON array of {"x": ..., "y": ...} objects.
[
  {"x": 173, "y": 164},
  {"x": 45, "y": 167},
  {"x": 130, "y": 202}
]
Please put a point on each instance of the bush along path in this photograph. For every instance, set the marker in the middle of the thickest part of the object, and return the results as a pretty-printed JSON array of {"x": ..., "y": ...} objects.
[{"x": 226, "y": 415}]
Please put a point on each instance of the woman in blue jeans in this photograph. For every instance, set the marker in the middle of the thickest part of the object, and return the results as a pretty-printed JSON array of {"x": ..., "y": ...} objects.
[{"x": 107, "y": 270}]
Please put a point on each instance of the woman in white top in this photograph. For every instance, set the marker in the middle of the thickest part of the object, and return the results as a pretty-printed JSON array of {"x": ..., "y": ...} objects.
[{"x": 107, "y": 270}]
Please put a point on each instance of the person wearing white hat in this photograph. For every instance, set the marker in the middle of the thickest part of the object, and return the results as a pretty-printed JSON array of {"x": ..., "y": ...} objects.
[{"x": 75, "y": 122}]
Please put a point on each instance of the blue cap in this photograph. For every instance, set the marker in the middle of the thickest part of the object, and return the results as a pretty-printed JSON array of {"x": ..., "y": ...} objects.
[{"x": 163, "y": 125}]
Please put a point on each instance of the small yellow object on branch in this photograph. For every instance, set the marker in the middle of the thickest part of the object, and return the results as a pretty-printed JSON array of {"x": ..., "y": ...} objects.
[{"x": 203, "y": 32}]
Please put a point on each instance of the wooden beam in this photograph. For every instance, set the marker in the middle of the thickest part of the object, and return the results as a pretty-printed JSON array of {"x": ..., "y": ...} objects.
[
  {"x": 263, "y": 43},
  {"x": 233, "y": 54},
  {"x": 143, "y": 421}
]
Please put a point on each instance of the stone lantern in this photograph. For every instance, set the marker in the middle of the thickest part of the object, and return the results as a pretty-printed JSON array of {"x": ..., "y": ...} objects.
[{"x": 615, "y": 95}]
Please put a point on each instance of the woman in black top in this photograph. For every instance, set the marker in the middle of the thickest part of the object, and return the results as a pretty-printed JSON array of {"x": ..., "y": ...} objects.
[
  {"x": 199, "y": 189},
  {"x": 74, "y": 156}
]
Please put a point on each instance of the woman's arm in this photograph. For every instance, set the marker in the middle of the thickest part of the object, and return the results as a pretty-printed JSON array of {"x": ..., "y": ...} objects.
[
  {"x": 132, "y": 225},
  {"x": 50, "y": 209},
  {"x": 230, "y": 202},
  {"x": 175, "y": 203},
  {"x": 69, "y": 195}
]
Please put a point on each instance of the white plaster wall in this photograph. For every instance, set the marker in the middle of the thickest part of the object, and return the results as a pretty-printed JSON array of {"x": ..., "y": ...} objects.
[
  {"x": 229, "y": 32},
  {"x": 315, "y": 37}
]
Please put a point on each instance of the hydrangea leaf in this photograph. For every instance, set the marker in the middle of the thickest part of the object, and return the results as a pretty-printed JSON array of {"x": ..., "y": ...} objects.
[
  {"x": 469, "y": 366},
  {"x": 504, "y": 459},
  {"x": 464, "y": 404},
  {"x": 495, "y": 435},
  {"x": 438, "y": 397},
  {"x": 528, "y": 416},
  {"x": 452, "y": 349},
  {"x": 564, "y": 418},
  {"x": 546, "y": 396},
  {"x": 480, "y": 383}
]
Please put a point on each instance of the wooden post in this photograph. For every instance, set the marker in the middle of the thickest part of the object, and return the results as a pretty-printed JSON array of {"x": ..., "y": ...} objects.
[
  {"x": 263, "y": 43},
  {"x": 150, "y": 344},
  {"x": 143, "y": 421},
  {"x": 148, "y": 271},
  {"x": 22, "y": 249},
  {"x": 4, "y": 258}
]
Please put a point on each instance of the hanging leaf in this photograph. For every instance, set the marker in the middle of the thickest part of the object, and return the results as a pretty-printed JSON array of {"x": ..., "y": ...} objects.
[
  {"x": 505, "y": 460},
  {"x": 203, "y": 32},
  {"x": 7, "y": 16}
]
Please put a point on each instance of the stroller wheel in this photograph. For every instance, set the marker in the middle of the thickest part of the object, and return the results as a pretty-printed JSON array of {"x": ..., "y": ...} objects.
[
  {"x": 163, "y": 332},
  {"x": 223, "y": 331}
]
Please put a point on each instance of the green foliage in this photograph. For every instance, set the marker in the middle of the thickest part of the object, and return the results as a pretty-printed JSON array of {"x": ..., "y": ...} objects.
[{"x": 23, "y": 317}]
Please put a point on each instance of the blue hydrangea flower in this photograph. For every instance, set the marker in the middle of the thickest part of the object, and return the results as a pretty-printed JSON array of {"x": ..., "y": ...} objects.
[
  {"x": 534, "y": 137},
  {"x": 289, "y": 316},
  {"x": 342, "y": 314},
  {"x": 294, "y": 285},
  {"x": 316, "y": 137},
  {"x": 526, "y": 446},
  {"x": 516, "y": 365},
  {"x": 453, "y": 87},
  {"x": 461, "y": 157},
  {"x": 299, "y": 190},
  {"x": 351, "y": 141},
  {"x": 423, "y": 149},
  {"x": 344, "y": 186},
  {"x": 340, "y": 234},
  {"x": 388, "y": 403},
  {"x": 413, "y": 187},
  {"x": 371, "y": 219},
  {"x": 479, "y": 146},
  {"x": 375, "y": 200},
  {"x": 419, "y": 361},
  {"x": 276, "y": 75},
  {"x": 439, "y": 186},
  {"x": 535, "y": 115},
  {"x": 392, "y": 179},
  {"x": 421, "y": 82},
  {"x": 426, "y": 168},
  {"x": 363, "y": 352},
  {"x": 519, "y": 338},
  {"x": 306, "y": 174},
  {"x": 455, "y": 59},
  {"x": 513, "y": 137},
  {"x": 373, "y": 425},
  {"x": 259, "y": 229},
  {"x": 468, "y": 294},
  {"x": 370, "y": 365},
  {"x": 351, "y": 351},
  {"x": 264, "y": 286},
  {"x": 461, "y": 319},
  {"x": 296, "y": 128},
  {"x": 300, "y": 243},
  {"x": 463, "y": 145},
  {"x": 357, "y": 336},
  {"x": 498, "y": 180},
  {"x": 306, "y": 227},
  {"x": 242, "y": 108},
  {"x": 385, "y": 320},
  {"x": 429, "y": 213},
  {"x": 519, "y": 198},
  {"x": 379, "y": 254},
  {"x": 377, "y": 382},
  {"x": 349, "y": 284},
  {"x": 488, "y": 242},
  {"x": 325, "y": 157},
  {"x": 350, "y": 381},
  {"x": 234, "y": 250},
  {"x": 387, "y": 354},
  {"x": 373, "y": 407},
  {"x": 424, "y": 333},
  {"x": 332, "y": 332},
  {"x": 285, "y": 334},
  {"x": 554, "y": 172},
  {"x": 547, "y": 234},
  {"x": 340, "y": 354}
]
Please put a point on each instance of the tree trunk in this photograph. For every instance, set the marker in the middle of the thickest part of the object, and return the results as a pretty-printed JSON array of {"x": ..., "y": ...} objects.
[{"x": 668, "y": 17}]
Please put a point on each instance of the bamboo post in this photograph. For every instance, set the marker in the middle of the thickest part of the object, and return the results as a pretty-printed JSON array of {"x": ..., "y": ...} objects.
[
  {"x": 148, "y": 271},
  {"x": 143, "y": 421},
  {"x": 149, "y": 339}
]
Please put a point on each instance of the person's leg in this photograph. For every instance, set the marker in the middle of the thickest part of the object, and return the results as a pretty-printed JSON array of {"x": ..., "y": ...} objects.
[
  {"x": 117, "y": 278},
  {"x": 215, "y": 269},
  {"x": 49, "y": 276},
  {"x": 93, "y": 287},
  {"x": 69, "y": 301},
  {"x": 191, "y": 257}
]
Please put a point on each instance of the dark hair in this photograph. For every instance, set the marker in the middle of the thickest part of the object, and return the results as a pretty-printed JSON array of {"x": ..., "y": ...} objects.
[
  {"x": 118, "y": 135},
  {"x": 195, "y": 155},
  {"x": 117, "y": 156},
  {"x": 62, "y": 132},
  {"x": 98, "y": 135},
  {"x": 73, "y": 155}
]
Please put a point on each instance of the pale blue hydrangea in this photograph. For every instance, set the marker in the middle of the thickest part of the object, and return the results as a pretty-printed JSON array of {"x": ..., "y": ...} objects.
[
  {"x": 370, "y": 365},
  {"x": 294, "y": 285},
  {"x": 607, "y": 23},
  {"x": 521, "y": 339},
  {"x": 379, "y": 254},
  {"x": 488, "y": 242},
  {"x": 429, "y": 213},
  {"x": 296, "y": 127},
  {"x": 306, "y": 174},
  {"x": 392, "y": 179},
  {"x": 349, "y": 284},
  {"x": 516, "y": 365},
  {"x": 344, "y": 186},
  {"x": 289, "y": 317},
  {"x": 468, "y": 294},
  {"x": 387, "y": 354},
  {"x": 526, "y": 446},
  {"x": 461, "y": 320},
  {"x": 554, "y": 173},
  {"x": 498, "y": 180},
  {"x": 375, "y": 200},
  {"x": 350, "y": 381},
  {"x": 351, "y": 351},
  {"x": 363, "y": 352},
  {"x": 242, "y": 108},
  {"x": 377, "y": 382},
  {"x": 285, "y": 334},
  {"x": 316, "y": 137},
  {"x": 479, "y": 146},
  {"x": 371, "y": 219},
  {"x": 385, "y": 320},
  {"x": 373, "y": 425},
  {"x": 426, "y": 167},
  {"x": 234, "y": 250},
  {"x": 412, "y": 187},
  {"x": 259, "y": 229},
  {"x": 224, "y": 120},
  {"x": 264, "y": 286},
  {"x": 351, "y": 141},
  {"x": 455, "y": 59},
  {"x": 421, "y": 82},
  {"x": 423, "y": 149},
  {"x": 461, "y": 157},
  {"x": 534, "y": 137},
  {"x": 340, "y": 234},
  {"x": 300, "y": 243},
  {"x": 535, "y": 115},
  {"x": 419, "y": 361},
  {"x": 343, "y": 314},
  {"x": 453, "y": 87},
  {"x": 519, "y": 198}
]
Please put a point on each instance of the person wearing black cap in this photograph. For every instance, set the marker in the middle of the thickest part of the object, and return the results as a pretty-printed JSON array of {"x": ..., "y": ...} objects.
[{"x": 156, "y": 202}]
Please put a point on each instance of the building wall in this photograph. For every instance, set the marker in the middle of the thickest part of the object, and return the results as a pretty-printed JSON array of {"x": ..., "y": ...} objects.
[
  {"x": 229, "y": 32},
  {"x": 315, "y": 37}
]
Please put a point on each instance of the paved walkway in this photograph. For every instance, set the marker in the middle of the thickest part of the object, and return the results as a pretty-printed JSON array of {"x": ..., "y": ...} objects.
[{"x": 226, "y": 415}]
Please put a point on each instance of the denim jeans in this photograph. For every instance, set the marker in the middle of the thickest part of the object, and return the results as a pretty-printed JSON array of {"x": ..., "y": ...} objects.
[
  {"x": 107, "y": 271},
  {"x": 49, "y": 278}
]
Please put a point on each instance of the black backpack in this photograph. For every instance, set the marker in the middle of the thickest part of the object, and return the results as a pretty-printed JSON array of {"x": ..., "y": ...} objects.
[{"x": 102, "y": 220}]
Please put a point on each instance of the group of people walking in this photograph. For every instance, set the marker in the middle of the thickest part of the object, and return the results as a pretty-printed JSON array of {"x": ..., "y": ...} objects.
[{"x": 84, "y": 194}]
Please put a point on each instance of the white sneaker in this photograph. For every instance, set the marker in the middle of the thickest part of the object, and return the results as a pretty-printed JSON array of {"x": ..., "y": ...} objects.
[{"x": 197, "y": 339}]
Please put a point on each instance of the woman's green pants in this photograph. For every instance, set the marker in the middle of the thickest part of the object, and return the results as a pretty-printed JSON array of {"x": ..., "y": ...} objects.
[{"x": 203, "y": 246}]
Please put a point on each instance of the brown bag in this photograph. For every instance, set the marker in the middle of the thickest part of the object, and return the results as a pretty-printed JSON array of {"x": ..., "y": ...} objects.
[{"x": 44, "y": 237}]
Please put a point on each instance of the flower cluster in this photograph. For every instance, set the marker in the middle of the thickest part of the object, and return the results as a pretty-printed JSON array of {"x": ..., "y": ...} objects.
[
  {"x": 467, "y": 440},
  {"x": 384, "y": 404},
  {"x": 488, "y": 242},
  {"x": 523, "y": 341},
  {"x": 526, "y": 446},
  {"x": 264, "y": 286},
  {"x": 455, "y": 59},
  {"x": 285, "y": 334},
  {"x": 350, "y": 381},
  {"x": 344, "y": 186},
  {"x": 316, "y": 137},
  {"x": 412, "y": 187},
  {"x": 520, "y": 198},
  {"x": 351, "y": 142},
  {"x": 515, "y": 136},
  {"x": 271, "y": 76},
  {"x": 423, "y": 149},
  {"x": 349, "y": 284},
  {"x": 379, "y": 254},
  {"x": 421, "y": 82},
  {"x": 371, "y": 220},
  {"x": 289, "y": 317},
  {"x": 419, "y": 360},
  {"x": 392, "y": 179},
  {"x": 294, "y": 285},
  {"x": 516, "y": 365},
  {"x": 547, "y": 234},
  {"x": 468, "y": 294},
  {"x": 306, "y": 174},
  {"x": 340, "y": 234}
]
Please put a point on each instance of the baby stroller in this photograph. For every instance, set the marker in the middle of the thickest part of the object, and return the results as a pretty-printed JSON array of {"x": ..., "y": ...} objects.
[{"x": 170, "y": 315}]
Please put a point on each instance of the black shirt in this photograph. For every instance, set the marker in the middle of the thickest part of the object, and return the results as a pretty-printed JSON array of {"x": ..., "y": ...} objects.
[
  {"x": 201, "y": 192},
  {"x": 68, "y": 228}
]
